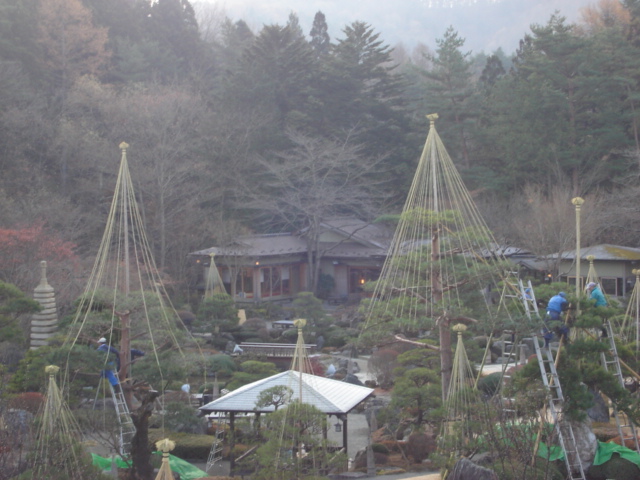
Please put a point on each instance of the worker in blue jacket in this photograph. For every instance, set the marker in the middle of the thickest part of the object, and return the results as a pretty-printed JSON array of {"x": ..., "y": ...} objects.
[
  {"x": 113, "y": 359},
  {"x": 556, "y": 306}
]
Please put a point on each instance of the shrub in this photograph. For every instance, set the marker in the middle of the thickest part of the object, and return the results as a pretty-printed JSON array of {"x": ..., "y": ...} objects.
[
  {"x": 181, "y": 417},
  {"x": 615, "y": 469},
  {"x": 381, "y": 364},
  {"x": 490, "y": 384},
  {"x": 391, "y": 446},
  {"x": 239, "y": 449},
  {"x": 219, "y": 311},
  {"x": 380, "y": 448},
  {"x": 420, "y": 445},
  {"x": 307, "y": 306},
  {"x": 188, "y": 446}
]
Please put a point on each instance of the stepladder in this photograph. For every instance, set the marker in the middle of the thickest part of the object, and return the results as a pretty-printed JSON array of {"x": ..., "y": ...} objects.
[
  {"x": 219, "y": 424},
  {"x": 611, "y": 362},
  {"x": 522, "y": 292},
  {"x": 556, "y": 408},
  {"x": 127, "y": 429}
]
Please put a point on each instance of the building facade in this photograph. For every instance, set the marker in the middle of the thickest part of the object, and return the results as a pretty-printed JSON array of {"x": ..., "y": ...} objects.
[{"x": 275, "y": 267}]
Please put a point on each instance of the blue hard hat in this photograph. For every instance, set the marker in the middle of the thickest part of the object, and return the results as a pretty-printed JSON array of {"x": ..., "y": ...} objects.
[{"x": 562, "y": 294}]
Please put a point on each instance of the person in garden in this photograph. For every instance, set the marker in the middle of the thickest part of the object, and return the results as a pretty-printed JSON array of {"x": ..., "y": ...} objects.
[
  {"x": 110, "y": 363},
  {"x": 556, "y": 306},
  {"x": 595, "y": 293}
]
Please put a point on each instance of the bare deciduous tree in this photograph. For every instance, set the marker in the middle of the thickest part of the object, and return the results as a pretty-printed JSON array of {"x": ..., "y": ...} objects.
[
  {"x": 316, "y": 179},
  {"x": 545, "y": 222}
]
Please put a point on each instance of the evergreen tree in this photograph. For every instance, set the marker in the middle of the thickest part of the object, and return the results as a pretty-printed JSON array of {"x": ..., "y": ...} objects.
[
  {"x": 320, "y": 40},
  {"x": 18, "y": 35},
  {"x": 275, "y": 73},
  {"x": 492, "y": 71},
  {"x": 449, "y": 89},
  {"x": 561, "y": 112},
  {"x": 293, "y": 24},
  {"x": 362, "y": 92},
  {"x": 172, "y": 31}
]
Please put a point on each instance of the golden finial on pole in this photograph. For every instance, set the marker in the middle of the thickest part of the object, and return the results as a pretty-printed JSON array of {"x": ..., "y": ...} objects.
[
  {"x": 459, "y": 328},
  {"x": 165, "y": 446},
  {"x": 432, "y": 119}
]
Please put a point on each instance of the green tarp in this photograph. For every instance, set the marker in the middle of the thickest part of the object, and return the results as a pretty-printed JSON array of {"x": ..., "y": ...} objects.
[
  {"x": 605, "y": 450},
  {"x": 185, "y": 469},
  {"x": 603, "y": 453}
]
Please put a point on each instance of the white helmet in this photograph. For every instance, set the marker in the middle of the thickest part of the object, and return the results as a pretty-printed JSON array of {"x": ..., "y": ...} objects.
[{"x": 102, "y": 340}]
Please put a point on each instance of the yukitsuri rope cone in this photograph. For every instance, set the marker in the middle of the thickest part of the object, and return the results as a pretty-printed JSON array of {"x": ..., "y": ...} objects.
[{"x": 58, "y": 452}]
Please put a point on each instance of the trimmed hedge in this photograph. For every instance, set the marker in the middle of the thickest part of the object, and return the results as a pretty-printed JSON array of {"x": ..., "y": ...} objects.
[{"x": 188, "y": 446}]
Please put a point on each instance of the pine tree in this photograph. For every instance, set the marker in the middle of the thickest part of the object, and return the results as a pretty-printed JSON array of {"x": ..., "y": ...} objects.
[
  {"x": 449, "y": 89},
  {"x": 363, "y": 92}
]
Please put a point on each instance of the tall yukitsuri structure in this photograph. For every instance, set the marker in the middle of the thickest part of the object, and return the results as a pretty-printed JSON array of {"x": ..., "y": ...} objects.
[{"x": 444, "y": 266}]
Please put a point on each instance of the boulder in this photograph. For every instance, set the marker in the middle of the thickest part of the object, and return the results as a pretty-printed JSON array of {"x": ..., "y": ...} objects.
[
  {"x": 586, "y": 441},
  {"x": 465, "y": 469},
  {"x": 599, "y": 412}
]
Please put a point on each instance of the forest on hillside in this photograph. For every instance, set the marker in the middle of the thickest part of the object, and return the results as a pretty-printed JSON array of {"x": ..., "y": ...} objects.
[{"x": 232, "y": 130}]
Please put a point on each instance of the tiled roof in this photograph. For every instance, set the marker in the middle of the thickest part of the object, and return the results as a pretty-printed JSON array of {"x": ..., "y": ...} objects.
[
  {"x": 604, "y": 252},
  {"x": 328, "y": 395},
  {"x": 369, "y": 234},
  {"x": 351, "y": 250},
  {"x": 260, "y": 245},
  {"x": 361, "y": 240}
]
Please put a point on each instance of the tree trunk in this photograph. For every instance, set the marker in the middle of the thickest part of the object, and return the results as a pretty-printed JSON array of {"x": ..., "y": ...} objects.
[
  {"x": 446, "y": 357},
  {"x": 140, "y": 451}
]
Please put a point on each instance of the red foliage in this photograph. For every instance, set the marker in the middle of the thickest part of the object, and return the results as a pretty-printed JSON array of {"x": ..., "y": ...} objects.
[
  {"x": 22, "y": 249},
  {"x": 29, "y": 401},
  {"x": 317, "y": 368},
  {"x": 20, "y": 245}
]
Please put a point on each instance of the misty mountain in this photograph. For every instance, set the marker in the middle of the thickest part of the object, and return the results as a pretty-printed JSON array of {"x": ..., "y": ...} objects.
[{"x": 485, "y": 24}]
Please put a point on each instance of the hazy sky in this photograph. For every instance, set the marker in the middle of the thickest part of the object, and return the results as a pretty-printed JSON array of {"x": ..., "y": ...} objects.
[{"x": 485, "y": 24}]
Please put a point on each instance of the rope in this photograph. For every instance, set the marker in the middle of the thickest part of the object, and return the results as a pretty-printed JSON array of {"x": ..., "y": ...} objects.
[{"x": 125, "y": 273}]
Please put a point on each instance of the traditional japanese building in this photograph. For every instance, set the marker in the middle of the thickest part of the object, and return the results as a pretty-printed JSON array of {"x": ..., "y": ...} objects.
[{"x": 272, "y": 267}]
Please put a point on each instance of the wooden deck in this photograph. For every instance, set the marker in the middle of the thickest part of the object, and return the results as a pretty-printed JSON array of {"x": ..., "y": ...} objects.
[{"x": 274, "y": 350}]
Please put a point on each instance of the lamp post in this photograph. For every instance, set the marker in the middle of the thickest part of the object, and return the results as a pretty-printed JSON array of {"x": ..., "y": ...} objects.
[
  {"x": 636, "y": 272},
  {"x": 577, "y": 202}
]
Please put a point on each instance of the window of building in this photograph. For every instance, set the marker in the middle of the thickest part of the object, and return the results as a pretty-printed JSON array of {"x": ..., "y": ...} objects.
[
  {"x": 274, "y": 281},
  {"x": 244, "y": 283},
  {"x": 612, "y": 286},
  {"x": 572, "y": 282}
]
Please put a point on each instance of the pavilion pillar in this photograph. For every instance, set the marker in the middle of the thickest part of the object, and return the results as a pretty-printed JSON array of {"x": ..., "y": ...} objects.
[
  {"x": 345, "y": 435},
  {"x": 232, "y": 442}
]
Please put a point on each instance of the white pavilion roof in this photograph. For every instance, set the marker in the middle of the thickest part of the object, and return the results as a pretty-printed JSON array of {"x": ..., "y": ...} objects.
[{"x": 327, "y": 395}]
